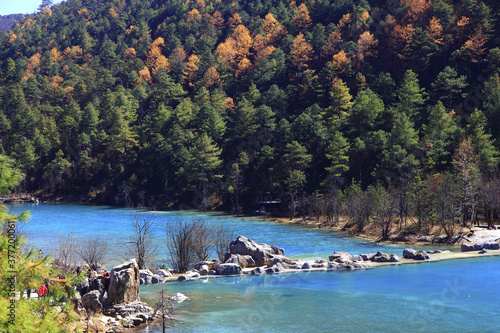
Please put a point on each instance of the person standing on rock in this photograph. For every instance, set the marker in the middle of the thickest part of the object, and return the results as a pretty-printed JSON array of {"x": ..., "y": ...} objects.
[
  {"x": 106, "y": 282},
  {"x": 85, "y": 286}
]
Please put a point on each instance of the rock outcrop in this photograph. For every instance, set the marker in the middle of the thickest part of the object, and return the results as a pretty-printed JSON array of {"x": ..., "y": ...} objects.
[
  {"x": 124, "y": 283},
  {"x": 261, "y": 253},
  {"x": 132, "y": 314}
]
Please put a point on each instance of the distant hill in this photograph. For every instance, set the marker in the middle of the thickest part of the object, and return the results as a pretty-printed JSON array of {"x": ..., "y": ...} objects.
[
  {"x": 223, "y": 103},
  {"x": 8, "y": 21}
]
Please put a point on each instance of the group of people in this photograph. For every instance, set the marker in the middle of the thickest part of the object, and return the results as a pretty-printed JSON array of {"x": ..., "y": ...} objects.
[{"x": 94, "y": 281}]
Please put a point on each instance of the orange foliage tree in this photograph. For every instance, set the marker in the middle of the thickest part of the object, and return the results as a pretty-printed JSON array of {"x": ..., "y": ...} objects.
[
  {"x": 332, "y": 45},
  {"x": 301, "y": 53},
  {"x": 191, "y": 67},
  {"x": 435, "y": 31},
  {"x": 302, "y": 20},
  {"x": 211, "y": 78}
]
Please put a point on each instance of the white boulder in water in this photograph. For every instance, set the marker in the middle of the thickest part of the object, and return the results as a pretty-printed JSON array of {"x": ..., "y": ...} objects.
[{"x": 179, "y": 298}]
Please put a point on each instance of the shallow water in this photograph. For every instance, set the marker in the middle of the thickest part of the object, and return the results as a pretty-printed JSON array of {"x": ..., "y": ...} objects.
[
  {"x": 450, "y": 296},
  {"x": 446, "y": 296}
]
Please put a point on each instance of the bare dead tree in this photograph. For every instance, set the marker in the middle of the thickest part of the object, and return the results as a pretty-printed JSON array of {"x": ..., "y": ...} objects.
[
  {"x": 179, "y": 241},
  {"x": 93, "y": 251},
  {"x": 67, "y": 252},
  {"x": 141, "y": 243},
  {"x": 202, "y": 240},
  {"x": 223, "y": 235},
  {"x": 164, "y": 307}
]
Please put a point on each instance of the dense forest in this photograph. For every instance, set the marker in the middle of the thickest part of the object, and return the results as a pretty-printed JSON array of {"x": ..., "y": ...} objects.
[{"x": 223, "y": 103}]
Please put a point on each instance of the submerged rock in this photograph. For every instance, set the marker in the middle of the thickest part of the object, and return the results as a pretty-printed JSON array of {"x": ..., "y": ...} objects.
[{"x": 179, "y": 298}]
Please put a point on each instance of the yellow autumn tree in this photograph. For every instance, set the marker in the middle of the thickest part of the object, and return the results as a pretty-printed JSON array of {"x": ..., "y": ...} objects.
[
  {"x": 332, "y": 45},
  {"x": 193, "y": 15},
  {"x": 366, "y": 45},
  {"x": 339, "y": 62},
  {"x": 263, "y": 53},
  {"x": 234, "y": 20},
  {"x": 190, "y": 69},
  {"x": 474, "y": 47},
  {"x": 243, "y": 67},
  {"x": 129, "y": 54},
  {"x": 269, "y": 23},
  {"x": 145, "y": 75},
  {"x": 217, "y": 21},
  {"x": 154, "y": 52},
  {"x": 161, "y": 62},
  {"x": 302, "y": 20},
  {"x": 56, "y": 55},
  {"x": 211, "y": 78},
  {"x": 301, "y": 53},
  {"x": 435, "y": 31},
  {"x": 235, "y": 48}
]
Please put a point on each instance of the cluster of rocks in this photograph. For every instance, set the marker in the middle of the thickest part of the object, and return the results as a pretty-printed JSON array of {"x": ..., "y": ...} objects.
[
  {"x": 246, "y": 256},
  {"x": 130, "y": 314},
  {"x": 121, "y": 304},
  {"x": 482, "y": 248},
  {"x": 420, "y": 255},
  {"x": 147, "y": 277}
]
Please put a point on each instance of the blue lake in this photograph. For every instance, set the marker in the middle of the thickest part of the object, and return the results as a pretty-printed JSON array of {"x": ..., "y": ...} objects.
[{"x": 448, "y": 296}]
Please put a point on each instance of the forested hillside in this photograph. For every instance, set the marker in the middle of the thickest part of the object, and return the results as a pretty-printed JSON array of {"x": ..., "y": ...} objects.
[
  {"x": 8, "y": 21},
  {"x": 225, "y": 103}
]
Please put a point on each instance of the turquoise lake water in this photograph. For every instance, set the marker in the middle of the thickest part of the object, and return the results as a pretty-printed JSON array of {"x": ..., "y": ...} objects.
[{"x": 448, "y": 296}]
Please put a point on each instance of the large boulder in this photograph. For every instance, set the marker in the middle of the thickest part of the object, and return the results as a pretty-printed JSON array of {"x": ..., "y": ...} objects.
[
  {"x": 189, "y": 276},
  {"x": 163, "y": 273},
  {"x": 124, "y": 283},
  {"x": 212, "y": 265},
  {"x": 260, "y": 253},
  {"x": 92, "y": 301},
  {"x": 145, "y": 272},
  {"x": 344, "y": 257},
  {"x": 421, "y": 255},
  {"x": 229, "y": 269},
  {"x": 466, "y": 247},
  {"x": 409, "y": 253},
  {"x": 381, "y": 257}
]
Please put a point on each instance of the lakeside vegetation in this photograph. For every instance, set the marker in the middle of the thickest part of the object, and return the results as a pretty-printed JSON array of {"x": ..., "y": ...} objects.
[{"x": 381, "y": 111}]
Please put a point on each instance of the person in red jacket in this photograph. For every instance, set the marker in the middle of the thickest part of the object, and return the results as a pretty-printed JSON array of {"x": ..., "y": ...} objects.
[{"x": 42, "y": 291}]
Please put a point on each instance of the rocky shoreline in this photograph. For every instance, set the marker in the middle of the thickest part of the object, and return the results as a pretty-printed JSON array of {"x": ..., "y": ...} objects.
[{"x": 247, "y": 257}]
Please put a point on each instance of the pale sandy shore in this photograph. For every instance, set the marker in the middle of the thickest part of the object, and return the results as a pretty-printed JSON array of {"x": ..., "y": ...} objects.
[{"x": 484, "y": 236}]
